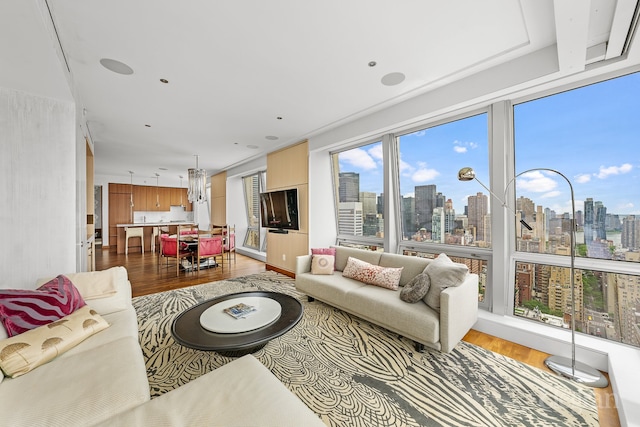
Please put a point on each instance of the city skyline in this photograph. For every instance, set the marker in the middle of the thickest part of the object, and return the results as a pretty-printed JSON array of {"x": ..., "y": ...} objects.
[{"x": 549, "y": 133}]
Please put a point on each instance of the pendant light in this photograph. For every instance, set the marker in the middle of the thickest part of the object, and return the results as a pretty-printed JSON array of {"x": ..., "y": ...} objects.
[
  {"x": 181, "y": 204},
  {"x": 197, "y": 184},
  {"x": 131, "y": 193},
  {"x": 157, "y": 192}
]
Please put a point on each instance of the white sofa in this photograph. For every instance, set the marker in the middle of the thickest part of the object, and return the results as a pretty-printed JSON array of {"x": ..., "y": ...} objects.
[
  {"x": 103, "y": 381},
  {"x": 418, "y": 322}
]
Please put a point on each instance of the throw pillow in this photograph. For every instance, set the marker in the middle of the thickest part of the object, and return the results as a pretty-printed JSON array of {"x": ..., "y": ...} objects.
[
  {"x": 22, "y": 309},
  {"x": 416, "y": 289},
  {"x": 443, "y": 274},
  {"x": 95, "y": 284},
  {"x": 386, "y": 277},
  {"x": 27, "y": 351},
  {"x": 325, "y": 251},
  {"x": 322, "y": 264}
]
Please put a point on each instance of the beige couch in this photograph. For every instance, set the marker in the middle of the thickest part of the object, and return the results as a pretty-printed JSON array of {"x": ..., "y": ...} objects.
[
  {"x": 418, "y": 322},
  {"x": 103, "y": 381}
]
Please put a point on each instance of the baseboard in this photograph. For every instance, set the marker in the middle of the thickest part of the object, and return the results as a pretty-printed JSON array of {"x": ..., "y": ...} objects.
[{"x": 279, "y": 270}]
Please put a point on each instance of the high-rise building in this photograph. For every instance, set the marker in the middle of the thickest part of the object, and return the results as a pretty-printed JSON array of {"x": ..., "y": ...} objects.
[
  {"x": 369, "y": 203},
  {"x": 600, "y": 227},
  {"x": 630, "y": 237},
  {"x": 425, "y": 204},
  {"x": 350, "y": 218},
  {"x": 349, "y": 187},
  {"x": 409, "y": 225},
  {"x": 589, "y": 218},
  {"x": 478, "y": 208}
]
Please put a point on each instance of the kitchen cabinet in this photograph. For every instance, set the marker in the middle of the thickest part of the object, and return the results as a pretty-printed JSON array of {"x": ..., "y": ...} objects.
[
  {"x": 140, "y": 198},
  {"x": 158, "y": 196},
  {"x": 179, "y": 197}
]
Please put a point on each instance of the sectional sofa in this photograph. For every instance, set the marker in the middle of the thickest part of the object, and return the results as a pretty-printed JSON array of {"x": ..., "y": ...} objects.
[
  {"x": 103, "y": 381},
  {"x": 425, "y": 325}
]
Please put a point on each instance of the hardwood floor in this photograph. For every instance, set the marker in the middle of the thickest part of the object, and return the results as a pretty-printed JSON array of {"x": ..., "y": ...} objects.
[{"x": 147, "y": 278}]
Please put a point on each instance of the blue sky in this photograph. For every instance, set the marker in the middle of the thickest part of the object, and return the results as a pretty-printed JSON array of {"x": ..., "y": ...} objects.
[{"x": 591, "y": 135}]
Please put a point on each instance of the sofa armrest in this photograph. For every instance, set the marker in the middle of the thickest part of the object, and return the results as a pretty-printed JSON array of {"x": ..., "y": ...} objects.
[
  {"x": 303, "y": 264},
  {"x": 458, "y": 312}
]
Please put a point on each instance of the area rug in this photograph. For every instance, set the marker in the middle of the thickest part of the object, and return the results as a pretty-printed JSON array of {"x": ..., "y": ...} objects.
[{"x": 353, "y": 373}]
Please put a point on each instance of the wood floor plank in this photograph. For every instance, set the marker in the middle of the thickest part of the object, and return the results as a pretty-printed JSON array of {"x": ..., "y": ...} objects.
[{"x": 147, "y": 278}]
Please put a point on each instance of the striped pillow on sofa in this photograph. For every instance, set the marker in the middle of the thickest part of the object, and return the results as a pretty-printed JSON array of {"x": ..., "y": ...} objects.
[{"x": 22, "y": 310}]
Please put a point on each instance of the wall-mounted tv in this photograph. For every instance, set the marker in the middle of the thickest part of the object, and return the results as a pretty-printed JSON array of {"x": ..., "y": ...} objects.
[{"x": 279, "y": 209}]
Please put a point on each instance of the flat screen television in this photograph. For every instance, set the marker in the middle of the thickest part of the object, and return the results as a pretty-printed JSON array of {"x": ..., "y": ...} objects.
[{"x": 279, "y": 209}]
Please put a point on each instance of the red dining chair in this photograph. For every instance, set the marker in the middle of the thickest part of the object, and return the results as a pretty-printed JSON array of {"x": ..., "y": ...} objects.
[
  {"x": 169, "y": 249},
  {"x": 210, "y": 247}
]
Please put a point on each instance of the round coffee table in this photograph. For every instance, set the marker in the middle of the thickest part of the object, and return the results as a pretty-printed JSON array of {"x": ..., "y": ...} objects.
[{"x": 275, "y": 314}]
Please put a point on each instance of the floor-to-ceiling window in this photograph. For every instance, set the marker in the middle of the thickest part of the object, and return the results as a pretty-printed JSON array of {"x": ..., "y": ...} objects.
[
  {"x": 253, "y": 185},
  {"x": 591, "y": 136},
  {"x": 359, "y": 195},
  {"x": 438, "y": 212}
]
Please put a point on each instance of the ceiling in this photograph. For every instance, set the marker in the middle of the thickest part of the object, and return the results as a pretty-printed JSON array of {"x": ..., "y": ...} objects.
[{"x": 248, "y": 77}]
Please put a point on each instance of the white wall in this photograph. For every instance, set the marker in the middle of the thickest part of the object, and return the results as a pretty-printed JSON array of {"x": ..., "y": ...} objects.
[{"x": 38, "y": 190}]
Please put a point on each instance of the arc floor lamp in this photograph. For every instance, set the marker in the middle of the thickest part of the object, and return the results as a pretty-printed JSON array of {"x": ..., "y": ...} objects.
[{"x": 567, "y": 367}]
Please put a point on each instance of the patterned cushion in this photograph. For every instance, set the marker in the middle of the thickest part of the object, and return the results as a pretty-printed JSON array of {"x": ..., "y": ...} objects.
[
  {"x": 322, "y": 264},
  {"x": 27, "y": 351},
  {"x": 372, "y": 274},
  {"x": 22, "y": 310},
  {"x": 416, "y": 289},
  {"x": 325, "y": 251},
  {"x": 443, "y": 273}
]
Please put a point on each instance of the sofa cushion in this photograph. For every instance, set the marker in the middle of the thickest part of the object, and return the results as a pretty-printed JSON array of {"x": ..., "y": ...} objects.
[
  {"x": 344, "y": 252},
  {"x": 325, "y": 251},
  {"x": 443, "y": 274},
  {"x": 98, "y": 284},
  {"x": 108, "y": 303},
  {"x": 413, "y": 265},
  {"x": 78, "y": 391},
  {"x": 362, "y": 271},
  {"x": 23, "y": 353},
  {"x": 416, "y": 289},
  {"x": 322, "y": 264},
  {"x": 22, "y": 309}
]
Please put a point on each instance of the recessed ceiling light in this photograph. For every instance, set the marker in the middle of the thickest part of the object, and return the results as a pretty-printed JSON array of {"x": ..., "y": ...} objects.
[
  {"x": 164, "y": 80},
  {"x": 116, "y": 66},
  {"x": 148, "y": 126},
  {"x": 271, "y": 137},
  {"x": 393, "y": 79},
  {"x": 253, "y": 147},
  {"x": 372, "y": 63},
  {"x": 279, "y": 118},
  {"x": 163, "y": 169}
]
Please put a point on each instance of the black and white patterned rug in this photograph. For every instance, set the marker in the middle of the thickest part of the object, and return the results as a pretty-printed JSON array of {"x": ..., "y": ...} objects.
[{"x": 353, "y": 373}]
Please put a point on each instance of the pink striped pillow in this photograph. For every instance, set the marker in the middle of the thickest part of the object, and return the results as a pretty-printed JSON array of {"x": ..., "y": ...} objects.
[{"x": 22, "y": 310}]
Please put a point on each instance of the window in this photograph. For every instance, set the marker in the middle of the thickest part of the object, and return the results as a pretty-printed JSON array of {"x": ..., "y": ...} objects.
[
  {"x": 590, "y": 135},
  {"x": 435, "y": 206},
  {"x": 252, "y": 186},
  {"x": 359, "y": 192}
]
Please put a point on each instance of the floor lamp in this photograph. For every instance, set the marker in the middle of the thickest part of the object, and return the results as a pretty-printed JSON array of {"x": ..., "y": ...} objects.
[{"x": 567, "y": 367}]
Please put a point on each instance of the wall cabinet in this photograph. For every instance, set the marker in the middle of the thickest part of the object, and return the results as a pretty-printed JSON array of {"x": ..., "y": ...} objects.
[
  {"x": 139, "y": 198},
  {"x": 179, "y": 198},
  {"x": 158, "y": 199}
]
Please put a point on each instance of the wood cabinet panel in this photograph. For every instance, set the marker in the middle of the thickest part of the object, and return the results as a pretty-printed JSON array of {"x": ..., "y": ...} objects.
[
  {"x": 282, "y": 249},
  {"x": 158, "y": 199},
  {"x": 139, "y": 198},
  {"x": 119, "y": 188},
  {"x": 288, "y": 167}
]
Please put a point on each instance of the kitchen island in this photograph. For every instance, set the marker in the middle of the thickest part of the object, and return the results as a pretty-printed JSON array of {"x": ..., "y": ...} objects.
[{"x": 148, "y": 230}]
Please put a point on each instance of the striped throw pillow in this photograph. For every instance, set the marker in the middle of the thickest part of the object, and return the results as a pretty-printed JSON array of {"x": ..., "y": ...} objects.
[{"x": 22, "y": 310}]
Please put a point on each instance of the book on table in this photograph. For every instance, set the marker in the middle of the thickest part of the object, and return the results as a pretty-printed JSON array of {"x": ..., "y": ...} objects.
[{"x": 240, "y": 311}]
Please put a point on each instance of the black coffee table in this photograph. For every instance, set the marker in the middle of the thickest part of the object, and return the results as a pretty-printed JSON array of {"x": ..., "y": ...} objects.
[{"x": 187, "y": 330}]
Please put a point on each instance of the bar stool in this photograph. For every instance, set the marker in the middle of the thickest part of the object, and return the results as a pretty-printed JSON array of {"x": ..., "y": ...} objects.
[{"x": 133, "y": 232}]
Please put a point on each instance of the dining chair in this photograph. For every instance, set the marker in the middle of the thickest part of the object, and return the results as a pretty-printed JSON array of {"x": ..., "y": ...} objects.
[
  {"x": 210, "y": 247},
  {"x": 130, "y": 232},
  {"x": 170, "y": 247}
]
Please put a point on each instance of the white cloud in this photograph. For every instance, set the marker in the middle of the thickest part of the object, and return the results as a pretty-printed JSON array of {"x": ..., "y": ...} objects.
[
  {"x": 583, "y": 178},
  {"x": 463, "y": 147},
  {"x": 376, "y": 152},
  {"x": 536, "y": 182},
  {"x": 424, "y": 174},
  {"x": 613, "y": 170},
  {"x": 551, "y": 194},
  {"x": 358, "y": 158}
]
